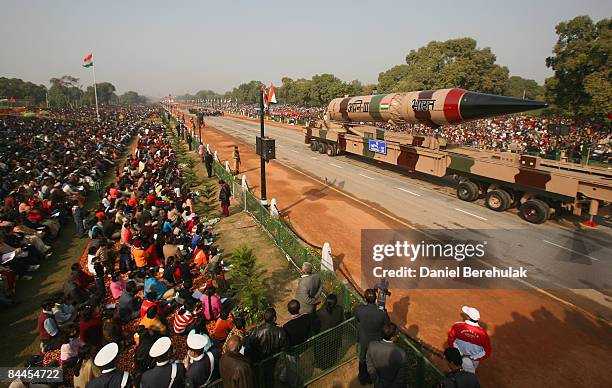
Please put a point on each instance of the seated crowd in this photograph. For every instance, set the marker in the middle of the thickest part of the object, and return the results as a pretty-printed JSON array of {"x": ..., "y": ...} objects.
[
  {"x": 150, "y": 289},
  {"x": 48, "y": 165},
  {"x": 553, "y": 137}
]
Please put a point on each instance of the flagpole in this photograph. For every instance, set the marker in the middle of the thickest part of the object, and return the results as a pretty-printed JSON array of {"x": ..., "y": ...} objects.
[{"x": 93, "y": 69}]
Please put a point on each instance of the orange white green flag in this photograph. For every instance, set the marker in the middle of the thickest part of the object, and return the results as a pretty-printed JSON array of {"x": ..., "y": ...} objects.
[
  {"x": 88, "y": 60},
  {"x": 271, "y": 95}
]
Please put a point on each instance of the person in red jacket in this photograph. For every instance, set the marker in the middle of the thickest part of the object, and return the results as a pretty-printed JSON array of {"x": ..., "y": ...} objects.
[
  {"x": 470, "y": 339},
  {"x": 90, "y": 327},
  {"x": 48, "y": 330}
]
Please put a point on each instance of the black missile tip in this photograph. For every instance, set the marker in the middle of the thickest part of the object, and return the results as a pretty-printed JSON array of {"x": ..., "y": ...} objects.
[{"x": 480, "y": 105}]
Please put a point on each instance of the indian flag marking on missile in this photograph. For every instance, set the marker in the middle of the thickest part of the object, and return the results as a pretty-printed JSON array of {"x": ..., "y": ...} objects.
[
  {"x": 88, "y": 61},
  {"x": 384, "y": 106}
]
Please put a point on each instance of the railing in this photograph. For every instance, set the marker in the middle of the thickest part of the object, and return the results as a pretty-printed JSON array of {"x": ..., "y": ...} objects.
[
  {"x": 310, "y": 360},
  {"x": 421, "y": 372}
]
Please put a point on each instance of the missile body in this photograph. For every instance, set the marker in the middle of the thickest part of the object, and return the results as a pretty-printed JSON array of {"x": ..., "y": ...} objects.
[{"x": 430, "y": 107}]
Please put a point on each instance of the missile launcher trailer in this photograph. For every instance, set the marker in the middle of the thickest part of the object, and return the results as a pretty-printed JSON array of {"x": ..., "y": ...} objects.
[{"x": 538, "y": 187}]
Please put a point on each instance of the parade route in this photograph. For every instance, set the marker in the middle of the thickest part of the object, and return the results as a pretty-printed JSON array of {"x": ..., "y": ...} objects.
[{"x": 331, "y": 212}]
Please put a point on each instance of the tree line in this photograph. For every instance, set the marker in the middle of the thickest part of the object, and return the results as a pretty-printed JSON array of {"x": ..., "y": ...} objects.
[
  {"x": 65, "y": 92},
  {"x": 581, "y": 84}
]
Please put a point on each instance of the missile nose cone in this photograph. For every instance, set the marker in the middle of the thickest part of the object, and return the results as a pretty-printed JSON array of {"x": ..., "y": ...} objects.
[{"x": 481, "y": 105}]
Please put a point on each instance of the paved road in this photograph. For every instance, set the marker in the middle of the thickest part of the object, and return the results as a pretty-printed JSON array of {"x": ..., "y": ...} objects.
[{"x": 557, "y": 254}]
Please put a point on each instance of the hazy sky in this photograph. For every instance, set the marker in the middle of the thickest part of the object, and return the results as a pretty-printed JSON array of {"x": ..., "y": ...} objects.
[{"x": 157, "y": 47}]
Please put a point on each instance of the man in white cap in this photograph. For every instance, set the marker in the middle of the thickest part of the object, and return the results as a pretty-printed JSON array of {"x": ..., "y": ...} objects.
[
  {"x": 202, "y": 361},
  {"x": 167, "y": 373},
  {"x": 106, "y": 360},
  {"x": 471, "y": 339}
]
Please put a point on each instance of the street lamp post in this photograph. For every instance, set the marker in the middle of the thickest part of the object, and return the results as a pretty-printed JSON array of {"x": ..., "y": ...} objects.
[{"x": 264, "y": 200}]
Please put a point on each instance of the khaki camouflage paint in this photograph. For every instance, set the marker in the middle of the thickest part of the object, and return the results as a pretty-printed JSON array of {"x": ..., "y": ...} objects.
[
  {"x": 505, "y": 169},
  {"x": 344, "y": 125},
  {"x": 433, "y": 107}
]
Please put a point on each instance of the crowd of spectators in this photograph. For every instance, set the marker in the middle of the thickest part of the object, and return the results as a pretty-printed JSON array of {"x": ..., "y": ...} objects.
[
  {"x": 553, "y": 137},
  {"x": 48, "y": 165},
  {"x": 148, "y": 303},
  {"x": 149, "y": 297},
  {"x": 285, "y": 113}
]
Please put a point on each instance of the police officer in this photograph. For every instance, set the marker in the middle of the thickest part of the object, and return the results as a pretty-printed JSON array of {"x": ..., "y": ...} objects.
[
  {"x": 106, "y": 360},
  {"x": 202, "y": 361},
  {"x": 167, "y": 373}
]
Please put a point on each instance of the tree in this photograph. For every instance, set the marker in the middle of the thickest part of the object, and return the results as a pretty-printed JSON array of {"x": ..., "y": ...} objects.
[
  {"x": 247, "y": 92},
  {"x": 452, "y": 63},
  {"x": 208, "y": 199},
  {"x": 517, "y": 85},
  {"x": 325, "y": 87},
  {"x": 131, "y": 97},
  {"x": 247, "y": 276},
  {"x": 65, "y": 92},
  {"x": 388, "y": 80},
  {"x": 185, "y": 97},
  {"x": 368, "y": 89},
  {"x": 105, "y": 90},
  {"x": 355, "y": 88},
  {"x": 21, "y": 90},
  {"x": 582, "y": 65},
  {"x": 207, "y": 94}
]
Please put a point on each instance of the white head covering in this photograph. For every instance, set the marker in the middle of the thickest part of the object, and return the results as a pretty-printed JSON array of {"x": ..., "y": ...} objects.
[
  {"x": 471, "y": 312},
  {"x": 107, "y": 354},
  {"x": 199, "y": 341},
  {"x": 160, "y": 347}
]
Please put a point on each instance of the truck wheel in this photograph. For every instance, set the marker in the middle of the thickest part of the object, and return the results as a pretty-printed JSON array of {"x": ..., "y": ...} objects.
[
  {"x": 314, "y": 146},
  {"x": 498, "y": 200},
  {"x": 467, "y": 191},
  {"x": 331, "y": 150},
  {"x": 322, "y": 148},
  {"x": 535, "y": 211}
]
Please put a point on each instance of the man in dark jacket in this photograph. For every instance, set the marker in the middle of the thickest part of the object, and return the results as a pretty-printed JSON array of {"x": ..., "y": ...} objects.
[
  {"x": 371, "y": 321},
  {"x": 236, "y": 371},
  {"x": 385, "y": 361},
  {"x": 224, "y": 197},
  {"x": 129, "y": 305},
  {"x": 208, "y": 162},
  {"x": 299, "y": 326},
  {"x": 330, "y": 315},
  {"x": 266, "y": 339},
  {"x": 457, "y": 377}
]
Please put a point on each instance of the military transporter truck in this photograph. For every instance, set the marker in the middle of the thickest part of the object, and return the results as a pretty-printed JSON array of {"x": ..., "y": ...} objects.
[{"x": 538, "y": 187}]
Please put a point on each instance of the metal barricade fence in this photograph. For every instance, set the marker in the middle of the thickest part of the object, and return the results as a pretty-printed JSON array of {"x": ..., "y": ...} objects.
[
  {"x": 311, "y": 360},
  {"x": 421, "y": 371}
]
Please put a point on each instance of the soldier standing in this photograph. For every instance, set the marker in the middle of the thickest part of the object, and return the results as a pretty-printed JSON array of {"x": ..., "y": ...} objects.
[
  {"x": 236, "y": 156},
  {"x": 167, "y": 373},
  {"x": 201, "y": 361},
  {"x": 106, "y": 360}
]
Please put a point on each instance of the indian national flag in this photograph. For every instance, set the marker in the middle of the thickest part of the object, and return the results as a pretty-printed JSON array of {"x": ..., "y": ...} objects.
[
  {"x": 384, "y": 106},
  {"x": 88, "y": 60},
  {"x": 271, "y": 95}
]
